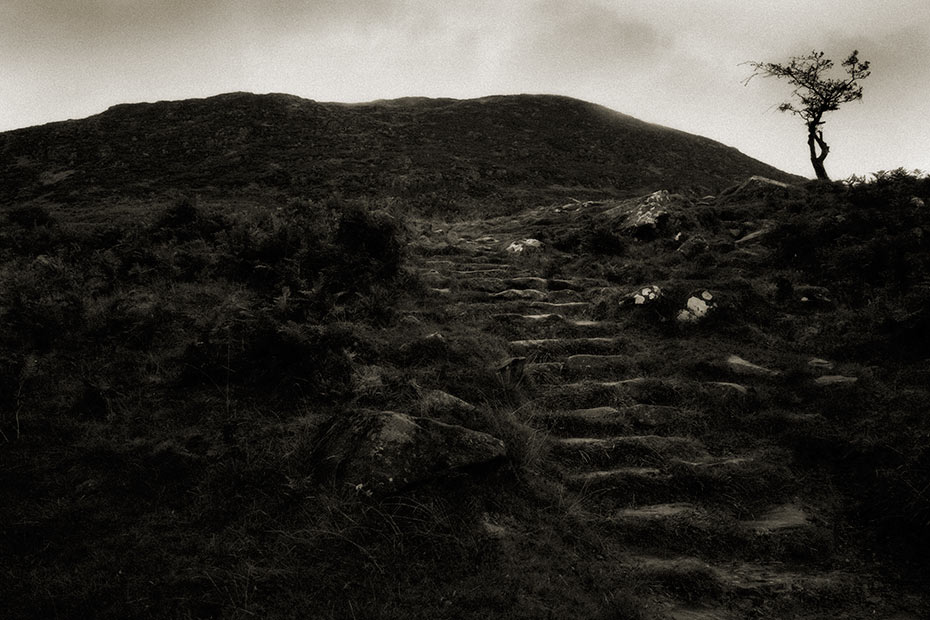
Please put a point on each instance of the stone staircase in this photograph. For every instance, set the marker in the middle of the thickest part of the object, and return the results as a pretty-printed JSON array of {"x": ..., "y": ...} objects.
[{"x": 707, "y": 534}]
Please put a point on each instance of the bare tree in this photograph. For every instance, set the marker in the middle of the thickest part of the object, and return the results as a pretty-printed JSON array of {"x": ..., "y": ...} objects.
[{"x": 816, "y": 93}]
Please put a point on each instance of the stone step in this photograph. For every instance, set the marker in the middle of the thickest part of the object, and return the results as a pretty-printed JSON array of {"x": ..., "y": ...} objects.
[
  {"x": 529, "y": 293},
  {"x": 738, "y": 584},
  {"x": 492, "y": 271},
  {"x": 565, "y": 306},
  {"x": 603, "y": 420},
  {"x": 598, "y": 420},
  {"x": 480, "y": 283},
  {"x": 603, "y": 345},
  {"x": 528, "y": 282},
  {"x": 587, "y": 363},
  {"x": 751, "y": 482},
  {"x": 482, "y": 264},
  {"x": 784, "y": 531},
  {"x": 637, "y": 450},
  {"x": 551, "y": 324},
  {"x": 594, "y": 393}
]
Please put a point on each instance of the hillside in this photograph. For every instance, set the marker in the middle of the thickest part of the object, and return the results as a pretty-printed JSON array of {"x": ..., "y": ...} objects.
[
  {"x": 230, "y": 398},
  {"x": 495, "y": 152}
]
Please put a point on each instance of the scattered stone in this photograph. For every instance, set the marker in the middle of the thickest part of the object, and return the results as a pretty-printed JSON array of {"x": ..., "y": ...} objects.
[
  {"x": 918, "y": 202},
  {"x": 835, "y": 380},
  {"x": 743, "y": 367},
  {"x": 697, "y": 307},
  {"x": 442, "y": 291},
  {"x": 384, "y": 452},
  {"x": 519, "y": 247},
  {"x": 642, "y": 296},
  {"x": 813, "y": 295}
]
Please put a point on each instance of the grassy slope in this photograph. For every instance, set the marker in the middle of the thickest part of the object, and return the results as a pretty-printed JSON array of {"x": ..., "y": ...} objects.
[
  {"x": 158, "y": 416},
  {"x": 161, "y": 378}
]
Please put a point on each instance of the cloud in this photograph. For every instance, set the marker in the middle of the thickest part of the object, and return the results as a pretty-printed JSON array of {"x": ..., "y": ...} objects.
[{"x": 564, "y": 43}]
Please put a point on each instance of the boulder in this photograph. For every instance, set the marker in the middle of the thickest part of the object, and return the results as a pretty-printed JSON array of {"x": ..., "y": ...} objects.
[
  {"x": 445, "y": 407},
  {"x": 382, "y": 452},
  {"x": 641, "y": 217}
]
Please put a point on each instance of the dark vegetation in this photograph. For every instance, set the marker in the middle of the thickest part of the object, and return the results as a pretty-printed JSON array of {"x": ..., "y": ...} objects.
[
  {"x": 437, "y": 155},
  {"x": 167, "y": 359}
]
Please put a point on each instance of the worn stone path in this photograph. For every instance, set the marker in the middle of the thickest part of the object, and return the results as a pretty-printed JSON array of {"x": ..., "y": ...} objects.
[{"x": 714, "y": 534}]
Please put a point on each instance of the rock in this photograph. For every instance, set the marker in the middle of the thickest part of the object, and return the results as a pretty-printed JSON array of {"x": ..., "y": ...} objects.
[
  {"x": 378, "y": 453},
  {"x": 519, "y": 247},
  {"x": 743, "y": 367},
  {"x": 916, "y": 201},
  {"x": 641, "y": 217},
  {"x": 735, "y": 387},
  {"x": 754, "y": 185},
  {"x": 516, "y": 293},
  {"x": 755, "y": 235},
  {"x": 642, "y": 296},
  {"x": 814, "y": 296},
  {"x": 697, "y": 307},
  {"x": 819, "y": 364},
  {"x": 827, "y": 380},
  {"x": 445, "y": 407},
  {"x": 693, "y": 246}
]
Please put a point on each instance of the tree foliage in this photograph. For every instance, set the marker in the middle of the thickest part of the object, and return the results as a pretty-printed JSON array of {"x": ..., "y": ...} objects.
[{"x": 816, "y": 93}]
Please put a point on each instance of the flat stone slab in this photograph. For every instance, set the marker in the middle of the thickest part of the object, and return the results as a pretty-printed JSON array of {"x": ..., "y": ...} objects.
[
  {"x": 594, "y": 419},
  {"x": 658, "y": 511},
  {"x": 743, "y": 367},
  {"x": 828, "y": 380},
  {"x": 515, "y": 293},
  {"x": 619, "y": 475},
  {"x": 788, "y": 516},
  {"x": 631, "y": 446},
  {"x": 735, "y": 387},
  {"x": 527, "y": 282},
  {"x": 568, "y": 345}
]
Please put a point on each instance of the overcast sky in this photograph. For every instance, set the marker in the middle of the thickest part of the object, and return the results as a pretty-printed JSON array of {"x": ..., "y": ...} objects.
[{"x": 672, "y": 62}]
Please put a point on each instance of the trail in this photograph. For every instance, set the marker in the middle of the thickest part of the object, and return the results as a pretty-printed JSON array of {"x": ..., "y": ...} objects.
[{"x": 710, "y": 532}]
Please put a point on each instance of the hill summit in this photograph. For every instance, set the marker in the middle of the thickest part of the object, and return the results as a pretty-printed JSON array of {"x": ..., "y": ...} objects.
[{"x": 510, "y": 151}]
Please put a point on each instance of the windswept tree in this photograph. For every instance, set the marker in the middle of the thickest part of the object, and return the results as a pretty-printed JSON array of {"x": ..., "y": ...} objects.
[{"x": 816, "y": 94}]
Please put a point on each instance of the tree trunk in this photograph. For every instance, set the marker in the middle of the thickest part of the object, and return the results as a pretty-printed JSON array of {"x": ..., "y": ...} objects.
[{"x": 815, "y": 139}]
